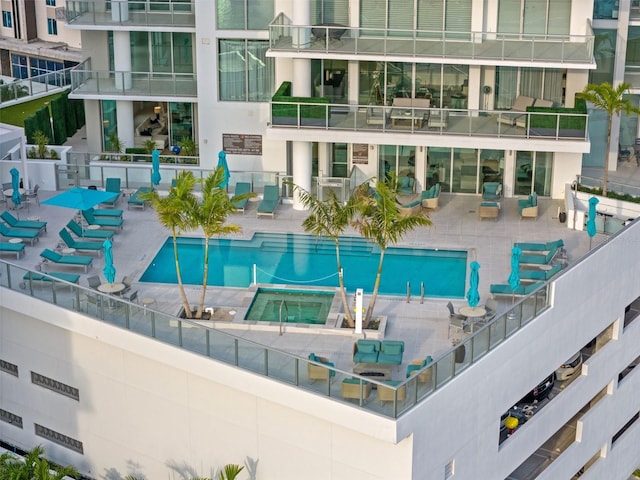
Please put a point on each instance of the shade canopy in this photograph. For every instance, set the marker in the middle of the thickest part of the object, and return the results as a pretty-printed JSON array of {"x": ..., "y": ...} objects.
[
  {"x": 514, "y": 277},
  {"x": 155, "y": 167},
  {"x": 109, "y": 270},
  {"x": 80, "y": 198},
  {"x": 473, "y": 297},
  {"x": 15, "y": 185},
  {"x": 222, "y": 162},
  {"x": 591, "y": 221}
]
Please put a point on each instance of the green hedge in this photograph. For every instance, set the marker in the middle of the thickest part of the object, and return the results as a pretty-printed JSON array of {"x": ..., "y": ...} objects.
[
  {"x": 59, "y": 116},
  {"x": 67, "y": 115},
  {"x": 566, "y": 122},
  {"x": 282, "y": 114}
]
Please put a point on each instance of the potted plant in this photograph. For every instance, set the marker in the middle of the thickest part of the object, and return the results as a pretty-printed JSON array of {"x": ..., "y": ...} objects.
[
  {"x": 188, "y": 147},
  {"x": 41, "y": 144}
]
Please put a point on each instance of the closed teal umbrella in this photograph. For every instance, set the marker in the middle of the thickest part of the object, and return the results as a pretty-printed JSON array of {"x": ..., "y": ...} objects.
[
  {"x": 109, "y": 270},
  {"x": 222, "y": 162},
  {"x": 514, "y": 277},
  {"x": 473, "y": 297},
  {"x": 155, "y": 167},
  {"x": 591, "y": 221},
  {"x": 15, "y": 185}
]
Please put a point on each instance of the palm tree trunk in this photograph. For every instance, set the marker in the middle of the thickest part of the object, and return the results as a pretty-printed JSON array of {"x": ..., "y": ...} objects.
[
  {"x": 343, "y": 293},
  {"x": 204, "y": 279},
  {"x": 374, "y": 295},
  {"x": 183, "y": 294},
  {"x": 605, "y": 173}
]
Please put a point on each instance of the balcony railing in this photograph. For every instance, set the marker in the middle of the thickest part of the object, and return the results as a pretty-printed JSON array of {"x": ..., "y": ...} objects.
[
  {"x": 430, "y": 121},
  {"x": 131, "y": 13},
  {"x": 25, "y": 89},
  {"x": 270, "y": 362},
  {"x": 85, "y": 81},
  {"x": 425, "y": 44}
]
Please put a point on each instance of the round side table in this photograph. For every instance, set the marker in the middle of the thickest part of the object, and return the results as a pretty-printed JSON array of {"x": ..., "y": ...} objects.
[
  {"x": 148, "y": 301},
  {"x": 15, "y": 240},
  {"x": 68, "y": 251}
]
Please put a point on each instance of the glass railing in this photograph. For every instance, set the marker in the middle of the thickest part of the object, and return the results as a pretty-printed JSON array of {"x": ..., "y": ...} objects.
[
  {"x": 612, "y": 186},
  {"x": 282, "y": 366},
  {"x": 40, "y": 85},
  {"x": 632, "y": 75},
  {"x": 179, "y": 13},
  {"x": 430, "y": 121},
  {"x": 111, "y": 82},
  {"x": 472, "y": 45}
]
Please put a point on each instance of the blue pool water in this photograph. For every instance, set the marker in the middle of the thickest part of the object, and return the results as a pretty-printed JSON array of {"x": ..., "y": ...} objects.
[
  {"x": 302, "y": 306},
  {"x": 296, "y": 259}
]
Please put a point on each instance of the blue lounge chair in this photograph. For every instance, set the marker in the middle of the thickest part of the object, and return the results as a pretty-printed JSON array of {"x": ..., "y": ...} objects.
[
  {"x": 102, "y": 222},
  {"x": 80, "y": 232},
  {"x": 17, "y": 248},
  {"x": 70, "y": 242},
  {"x": 106, "y": 212},
  {"x": 13, "y": 222},
  {"x": 540, "y": 275},
  {"x": 270, "y": 201},
  {"x": 541, "y": 258},
  {"x": 83, "y": 261},
  {"x": 242, "y": 188},
  {"x": 539, "y": 247},
  {"x": 112, "y": 185},
  {"x": 28, "y": 235},
  {"x": 136, "y": 200},
  {"x": 505, "y": 289},
  {"x": 47, "y": 277}
]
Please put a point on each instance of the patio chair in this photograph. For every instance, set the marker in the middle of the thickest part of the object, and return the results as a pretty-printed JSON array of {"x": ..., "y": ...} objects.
[
  {"x": 133, "y": 297},
  {"x": 83, "y": 261},
  {"x": 242, "y": 188},
  {"x": 94, "y": 281},
  {"x": 518, "y": 109},
  {"x": 8, "y": 247},
  {"x": 112, "y": 185},
  {"x": 270, "y": 201},
  {"x": 417, "y": 366},
  {"x": 128, "y": 282},
  {"x": 491, "y": 191},
  {"x": 33, "y": 195},
  {"x": 317, "y": 372},
  {"x": 69, "y": 241},
  {"x": 80, "y": 232},
  {"x": 106, "y": 212},
  {"x": 102, "y": 222},
  {"x": 13, "y": 222},
  {"x": 27, "y": 235}
]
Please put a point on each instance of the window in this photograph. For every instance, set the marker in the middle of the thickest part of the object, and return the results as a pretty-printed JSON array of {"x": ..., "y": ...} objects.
[
  {"x": 52, "y": 26},
  {"x": 162, "y": 52},
  {"x": 544, "y": 83},
  {"x": 245, "y": 72},
  {"x": 244, "y": 14},
  {"x": 6, "y": 19},
  {"x": 51, "y": 3},
  {"x": 19, "y": 67},
  {"x": 534, "y": 16}
]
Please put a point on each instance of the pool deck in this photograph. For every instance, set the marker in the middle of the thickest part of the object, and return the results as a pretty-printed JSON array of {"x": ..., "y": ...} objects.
[{"x": 422, "y": 326}]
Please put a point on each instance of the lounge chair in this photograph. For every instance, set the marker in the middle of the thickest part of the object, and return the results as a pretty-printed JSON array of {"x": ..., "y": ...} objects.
[
  {"x": 28, "y": 235},
  {"x": 539, "y": 247},
  {"x": 17, "y": 248},
  {"x": 491, "y": 191},
  {"x": 539, "y": 258},
  {"x": 80, "y": 232},
  {"x": 413, "y": 208},
  {"x": 135, "y": 199},
  {"x": 419, "y": 367},
  {"x": 13, "y": 222},
  {"x": 112, "y": 185},
  {"x": 71, "y": 242},
  {"x": 106, "y": 212},
  {"x": 318, "y": 372},
  {"x": 528, "y": 207},
  {"x": 353, "y": 388},
  {"x": 47, "y": 277},
  {"x": 388, "y": 394},
  {"x": 540, "y": 275},
  {"x": 102, "y": 222},
  {"x": 430, "y": 197},
  {"x": 518, "y": 109},
  {"x": 505, "y": 289},
  {"x": 242, "y": 188},
  {"x": 270, "y": 201},
  {"x": 83, "y": 261}
]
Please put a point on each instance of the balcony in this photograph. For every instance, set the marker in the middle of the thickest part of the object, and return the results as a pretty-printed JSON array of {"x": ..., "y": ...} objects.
[
  {"x": 382, "y": 119},
  {"x": 425, "y": 46},
  {"x": 107, "y": 14},
  {"x": 88, "y": 83}
]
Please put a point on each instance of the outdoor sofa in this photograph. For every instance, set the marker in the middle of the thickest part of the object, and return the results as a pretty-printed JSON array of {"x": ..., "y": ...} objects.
[{"x": 375, "y": 351}]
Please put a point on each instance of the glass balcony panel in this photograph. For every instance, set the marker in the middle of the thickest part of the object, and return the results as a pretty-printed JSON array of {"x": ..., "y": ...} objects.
[{"x": 176, "y": 13}]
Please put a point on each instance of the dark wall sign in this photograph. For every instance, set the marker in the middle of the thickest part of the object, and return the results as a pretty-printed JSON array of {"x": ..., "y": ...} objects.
[
  {"x": 361, "y": 153},
  {"x": 236, "y": 143}
]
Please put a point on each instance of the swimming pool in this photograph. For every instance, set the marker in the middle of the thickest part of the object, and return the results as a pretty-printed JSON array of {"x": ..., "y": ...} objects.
[
  {"x": 302, "y": 306},
  {"x": 297, "y": 259}
]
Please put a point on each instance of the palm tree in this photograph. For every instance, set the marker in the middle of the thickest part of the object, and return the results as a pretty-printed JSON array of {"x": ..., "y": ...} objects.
[
  {"x": 172, "y": 212},
  {"x": 32, "y": 467},
  {"x": 613, "y": 101},
  {"x": 329, "y": 218},
  {"x": 380, "y": 220},
  {"x": 210, "y": 214}
]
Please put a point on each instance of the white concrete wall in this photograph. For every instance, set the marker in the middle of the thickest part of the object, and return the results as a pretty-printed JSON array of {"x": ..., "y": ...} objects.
[{"x": 68, "y": 36}]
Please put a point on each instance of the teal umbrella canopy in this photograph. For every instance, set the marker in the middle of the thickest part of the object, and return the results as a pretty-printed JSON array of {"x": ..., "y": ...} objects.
[
  {"x": 15, "y": 186},
  {"x": 109, "y": 270},
  {"x": 222, "y": 162},
  {"x": 473, "y": 297},
  {"x": 591, "y": 221},
  {"x": 80, "y": 198},
  {"x": 514, "y": 277},
  {"x": 155, "y": 167}
]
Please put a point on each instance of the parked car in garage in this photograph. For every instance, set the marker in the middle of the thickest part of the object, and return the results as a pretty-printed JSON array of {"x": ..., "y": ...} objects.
[
  {"x": 542, "y": 391},
  {"x": 570, "y": 368}
]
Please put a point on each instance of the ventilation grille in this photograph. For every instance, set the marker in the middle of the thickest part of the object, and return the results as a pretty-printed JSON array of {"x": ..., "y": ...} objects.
[
  {"x": 9, "y": 368},
  {"x": 11, "y": 418},
  {"x": 55, "y": 386},
  {"x": 60, "y": 439}
]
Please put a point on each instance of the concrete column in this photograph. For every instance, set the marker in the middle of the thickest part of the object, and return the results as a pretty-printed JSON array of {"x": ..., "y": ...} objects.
[
  {"x": 124, "y": 114},
  {"x": 301, "y": 17},
  {"x": 122, "y": 59},
  {"x": 119, "y": 10}
]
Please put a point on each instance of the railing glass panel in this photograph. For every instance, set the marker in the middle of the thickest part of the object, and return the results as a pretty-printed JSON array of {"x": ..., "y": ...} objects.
[{"x": 177, "y": 13}]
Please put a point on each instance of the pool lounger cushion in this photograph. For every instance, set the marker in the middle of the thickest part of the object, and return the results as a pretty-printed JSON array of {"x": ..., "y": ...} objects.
[
  {"x": 67, "y": 277},
  {"x": 106, "y": 212},
  {"x": 505, "y": 289},
  {"x": 30, "y": 235},
  {"x": 366, "y": 351},
  {"x": 540, "y": 275},
  {"x": 72, "y": 260},
  {"x": 17, "y": 248},
  {"x": 13, "y": 222},
  {"x": 270, "y": 201},
  {"x": 539, "y": 247},
  {"x": 102, "y": 221},
  {"x": 79, "y": 244},
  {"x": 135, "y": 199},
  {"x": 78, "y": 231},
  {"x": 242, "y": 188}
]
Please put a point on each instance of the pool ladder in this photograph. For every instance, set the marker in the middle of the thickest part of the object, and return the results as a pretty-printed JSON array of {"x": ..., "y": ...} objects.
[
  {"x": 421, "y": 292},
  {"x": 283, "y": 304}
]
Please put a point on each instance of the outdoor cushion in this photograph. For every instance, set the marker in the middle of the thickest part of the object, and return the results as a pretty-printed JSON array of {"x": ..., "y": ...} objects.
[
  {"x": 405, "y": 185},
  {"x": 67, "y": 277},
  {"x": 13, "y": 222},
  {"x": 491, "y": 190},
  {"x": 74, "y": 260},
  {"x": 106, "y": 212},
  {"x": 17, "y": 248},
  {"x": 542, "y": 275},
  {"x": 78, "y": 231},
  {"x": 241, "y": 189},
  {"x": 79, "y": 245},
  {"x": 539, "y": 247},
  {"x": 505, "y": 289},
  {"x": 103, "y": 222},
  {"x": 31, "y": 235},
  {"x": 135, "y": 200},
  {"x": 391, "y": 352}
]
